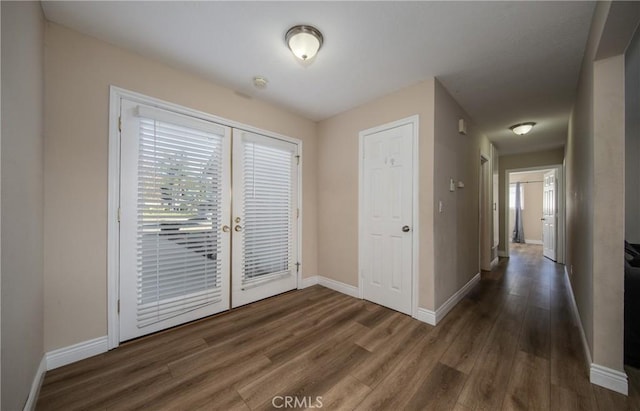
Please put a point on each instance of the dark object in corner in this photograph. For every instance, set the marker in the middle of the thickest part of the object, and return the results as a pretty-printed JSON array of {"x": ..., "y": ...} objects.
[{"x": 632, "y": 307}]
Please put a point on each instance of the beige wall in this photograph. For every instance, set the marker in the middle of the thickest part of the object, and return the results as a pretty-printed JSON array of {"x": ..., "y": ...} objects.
[
  {"x": 608, "y": 212},
  {"x": 338, "y": 183},
  {"x": 456, "y": 228},
  {"x": 522, "y": 161},
  {"x": 579, "y": 192},
  {"x": 532, "y": 210},
  {"x": 22, "y": 199},
  {"x": 448, "y": 240},
  {"x": 632, "y": 141},
  {"x": 595, "y": 188},
  {"x": 79, "y": 71}
]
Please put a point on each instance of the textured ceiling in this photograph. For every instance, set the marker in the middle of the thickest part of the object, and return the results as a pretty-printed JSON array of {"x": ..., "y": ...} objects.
[{"x": 504, "y": 62}]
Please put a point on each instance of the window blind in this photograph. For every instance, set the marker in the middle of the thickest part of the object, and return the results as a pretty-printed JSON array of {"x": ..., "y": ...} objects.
[
  {"x": 268, "y": 213},
  {"x": 179, "y": 215}
]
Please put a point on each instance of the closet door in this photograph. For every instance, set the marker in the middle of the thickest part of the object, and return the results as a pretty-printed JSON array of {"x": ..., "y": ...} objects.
[
  {"x": 174, "y": 217},
  {"x": 265, "y": 217}
]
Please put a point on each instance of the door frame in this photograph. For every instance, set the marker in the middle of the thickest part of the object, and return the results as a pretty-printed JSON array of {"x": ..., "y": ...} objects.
[
  {"x": 113, "y": 196},
  {"x": 483, "y": 196},
  {"x": 561, "y": 198},
  {"x": 414, "y": 121}
]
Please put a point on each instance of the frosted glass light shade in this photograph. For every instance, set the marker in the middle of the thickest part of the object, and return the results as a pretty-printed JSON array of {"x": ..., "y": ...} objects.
[
  {"x": 522, "y": 129},
  {"x": 304, "y": 41}
]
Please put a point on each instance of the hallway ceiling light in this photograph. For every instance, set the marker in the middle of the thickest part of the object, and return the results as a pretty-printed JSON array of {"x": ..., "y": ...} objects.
[
  {"x": 304, "y": 41},
  {"x": 522, "y": 128}
]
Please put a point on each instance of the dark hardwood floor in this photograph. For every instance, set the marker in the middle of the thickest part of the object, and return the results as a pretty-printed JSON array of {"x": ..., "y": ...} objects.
[{"x": 510, "y": 344}]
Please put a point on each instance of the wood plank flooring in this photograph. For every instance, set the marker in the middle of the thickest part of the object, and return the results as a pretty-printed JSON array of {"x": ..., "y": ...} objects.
[{"x": 511, "y": 344}]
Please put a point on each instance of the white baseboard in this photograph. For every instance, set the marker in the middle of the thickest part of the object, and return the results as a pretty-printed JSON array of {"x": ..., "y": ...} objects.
[
  {"x": 537, "y": 242},
  {"x": 603, "y": 376},
  {"x": 494, "y": 263},
  {"x": 35, "y": 385},
  {"x": 434, "y": 317},
  {"x": 444, "y": 309},
  {"x": 339, "y": 286},
  {"x": 503, "y": 254},
  {"x": 308, "y": 282},
  {"x": 426, "y": 316},
  {"x": 76, "y": 352},
  {"x": 609, "y": 378}
]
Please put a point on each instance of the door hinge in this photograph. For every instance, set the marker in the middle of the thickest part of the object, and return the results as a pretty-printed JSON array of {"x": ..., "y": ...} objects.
[
  {"x": 297, "y": 213},
  {"x": 298, "y": 267},
  {"x": 118, "y": 214},
  {"x": 118, "y": 306},
  {"x": 120, "y": 124},
  {"x": 298, "y": 160}
]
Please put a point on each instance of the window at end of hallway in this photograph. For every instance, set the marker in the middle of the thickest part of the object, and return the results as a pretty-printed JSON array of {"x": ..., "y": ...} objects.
[{"x": 512, "y": 197}]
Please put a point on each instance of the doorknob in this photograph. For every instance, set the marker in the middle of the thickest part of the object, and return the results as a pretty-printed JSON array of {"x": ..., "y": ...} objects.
[
  {"x": 237, "y": 228},
  {"x": 226, "y": 228},
  {"x": 542, "y": 219},
  {"x": 405, "y": 229}
]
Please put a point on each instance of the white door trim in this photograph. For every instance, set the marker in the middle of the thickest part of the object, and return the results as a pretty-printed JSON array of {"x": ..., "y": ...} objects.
[
  {"x": 560, "y": 192},
  {"x": 113, "y": 198},
  {"x": 413, "y": 120}
]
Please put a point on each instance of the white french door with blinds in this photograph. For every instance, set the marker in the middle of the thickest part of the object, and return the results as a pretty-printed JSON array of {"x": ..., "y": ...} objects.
[{"x": 185, "y": 251}]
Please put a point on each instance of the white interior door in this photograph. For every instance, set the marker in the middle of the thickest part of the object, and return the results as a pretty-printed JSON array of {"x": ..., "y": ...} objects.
[
  {"x": 174, "y": 202},
  {"x": 265, "y": 217},
  {"x": 550, "y": 215},
  {"x": 387, "y": 229}
]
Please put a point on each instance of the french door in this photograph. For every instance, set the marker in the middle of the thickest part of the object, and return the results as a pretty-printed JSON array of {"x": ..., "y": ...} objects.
[
  {"x": 177, "y": 225},
  {"x": 265, "y": 217}
]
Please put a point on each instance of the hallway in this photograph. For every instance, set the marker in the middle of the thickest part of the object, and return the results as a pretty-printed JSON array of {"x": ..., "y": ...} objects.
[
  {"x": 510, "y": 344},
  {"x": 550, "y": 333}
]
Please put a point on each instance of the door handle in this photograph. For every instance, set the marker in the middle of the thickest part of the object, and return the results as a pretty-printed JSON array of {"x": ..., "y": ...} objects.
[
  {"x": 542, "y": 219},
  {"x": 237, "y": 228},
  {"x": 406, "y": 229},
  {"x": 226, "y": 228}
]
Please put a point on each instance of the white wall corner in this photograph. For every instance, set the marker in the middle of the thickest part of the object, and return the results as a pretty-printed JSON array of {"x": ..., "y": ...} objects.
[
  {"x": 35, "y": 385},
  {"x": 339, "y": 286},
  {"x": 576, "y": 316},
  {"x": 448, "y": 305},
  {"x": 598, "y": 375},
  {"x": 495, "y": 262},
  {"x": 76, "y": 352},
  {"x": 308, "y": 282},
  {"x": 609, "y": 378},
  {"x": 426, "y": 316}
]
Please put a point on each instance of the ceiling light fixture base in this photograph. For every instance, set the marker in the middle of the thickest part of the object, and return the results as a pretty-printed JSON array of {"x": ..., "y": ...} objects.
[{"x": 522, "y": 128}]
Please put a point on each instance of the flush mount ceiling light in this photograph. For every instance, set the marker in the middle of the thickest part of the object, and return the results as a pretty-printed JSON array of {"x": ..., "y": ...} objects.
[
  {"x": 304, "y": 41},
  {"x": 522, "y": 128}
]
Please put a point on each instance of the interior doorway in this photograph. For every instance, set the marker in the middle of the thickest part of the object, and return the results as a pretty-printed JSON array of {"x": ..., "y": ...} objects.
[{"x": 535, "y": 209}]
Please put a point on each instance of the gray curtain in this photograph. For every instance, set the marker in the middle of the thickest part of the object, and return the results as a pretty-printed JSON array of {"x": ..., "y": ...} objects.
[{"x": 518, "y": 231}]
